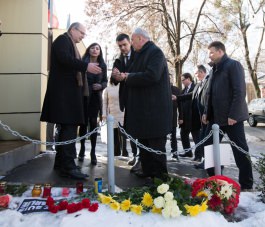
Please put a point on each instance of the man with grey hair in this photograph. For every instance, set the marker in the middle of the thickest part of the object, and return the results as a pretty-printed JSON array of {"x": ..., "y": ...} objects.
[
  {"x": 148, "y": 103},
  {"x": 63, "y": 103}
]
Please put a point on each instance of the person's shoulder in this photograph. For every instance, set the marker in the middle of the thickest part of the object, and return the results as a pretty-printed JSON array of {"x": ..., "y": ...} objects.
[
  {"x": 63, "y": 38},
  {"x": 233, "y": 62}
]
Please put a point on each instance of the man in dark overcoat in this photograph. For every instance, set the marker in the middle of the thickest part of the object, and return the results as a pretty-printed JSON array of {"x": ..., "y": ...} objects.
[
  {"x": 149, "y": 105},
  {"x": 63, "y": 103},
  {"x": 227, "y": 107}
]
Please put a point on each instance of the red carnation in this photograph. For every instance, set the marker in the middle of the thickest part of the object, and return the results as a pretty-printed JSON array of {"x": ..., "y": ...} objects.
[
  {"x": 214, "y": 202},
  {"x": 86, "y": 203},
  {"x": 49, "y": 201},
  {"x": 71, "y": 208},
  {"x": 79, "y": 206},
  {"x": 229, "y": 209},
  {"x": 198, "y": 185},
  {"x": 63, "y": 205},
  {"x": 93, "y": 207},
  {"x": 53, "y": 209}
]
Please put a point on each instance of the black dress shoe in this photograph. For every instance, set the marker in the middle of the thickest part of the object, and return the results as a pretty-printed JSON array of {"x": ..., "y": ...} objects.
[
  {"x": 175, "y": 156},
  {"x": 142, "y": 175},
  {"x": 132, "y": 161},
  {"x": 199, "y": 166},
  {"x": 73, "y": 173},
  {"x": 187, "y": 154},
  {"x": 197, "y": 159},
  {"x": 137, "y": 166},
  {"x": 80, "y": 158},
  {"x": 94, "y": 161}
]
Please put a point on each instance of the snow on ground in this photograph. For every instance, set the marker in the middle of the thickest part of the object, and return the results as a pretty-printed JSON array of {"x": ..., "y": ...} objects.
[{"x": 250, "y": 209}]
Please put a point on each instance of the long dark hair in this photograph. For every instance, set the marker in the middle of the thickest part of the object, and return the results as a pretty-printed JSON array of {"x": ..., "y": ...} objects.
[{"x": 100, "y": 59}]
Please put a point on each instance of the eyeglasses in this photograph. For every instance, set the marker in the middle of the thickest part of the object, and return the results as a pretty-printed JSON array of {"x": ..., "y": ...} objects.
[
  {"x": 184, "y": 79},
  {"x": 82, "y": 33}
]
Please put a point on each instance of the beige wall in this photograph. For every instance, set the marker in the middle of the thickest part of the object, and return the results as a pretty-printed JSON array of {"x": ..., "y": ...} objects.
[{"x": 23, "y": 65}]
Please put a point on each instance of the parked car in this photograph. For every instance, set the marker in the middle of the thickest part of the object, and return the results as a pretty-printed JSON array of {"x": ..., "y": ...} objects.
[{"x": 256, "y": 110}]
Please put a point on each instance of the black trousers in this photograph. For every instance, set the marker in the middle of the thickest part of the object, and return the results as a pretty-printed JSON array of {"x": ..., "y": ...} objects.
[
  {"x": 236, "y": 133},
  {"x": 65, "y": 154},
  {"x": 173, "y": 139},
  {"x": 117, "y": 142},
  {"x": 184, "y": 135},
  {"x": 154, "y": 165}
]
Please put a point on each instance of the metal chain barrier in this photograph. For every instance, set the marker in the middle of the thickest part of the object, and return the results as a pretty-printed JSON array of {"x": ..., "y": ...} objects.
[
  {"x": 26, "y": 138},
  {"x": 160, "y": 152},
  {"x": 233, "y": 143}
]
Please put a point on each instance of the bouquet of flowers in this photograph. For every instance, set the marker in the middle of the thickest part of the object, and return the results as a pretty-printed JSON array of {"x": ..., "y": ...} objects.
[
  {"x": 221, "y": 193},
  {"x": 170, "y": 199}
]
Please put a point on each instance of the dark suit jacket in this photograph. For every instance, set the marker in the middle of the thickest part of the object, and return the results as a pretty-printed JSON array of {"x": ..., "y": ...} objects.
[
  {"x": 119, "y": 63},
  {"x": 185, "y": 108},
  {"x": 63, "y": 102}
]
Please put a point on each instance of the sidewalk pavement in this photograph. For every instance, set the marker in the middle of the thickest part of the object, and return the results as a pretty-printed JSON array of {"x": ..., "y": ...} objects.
[{"x": 40, "y": 169}]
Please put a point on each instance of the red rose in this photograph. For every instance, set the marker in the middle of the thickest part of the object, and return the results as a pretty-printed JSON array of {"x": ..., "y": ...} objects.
[
  {"x": 53, "y": 209},
  {"x": 93, "y": 207},
  {"x": 86, "y": 203},
  {"x": 63, "y": 205}
]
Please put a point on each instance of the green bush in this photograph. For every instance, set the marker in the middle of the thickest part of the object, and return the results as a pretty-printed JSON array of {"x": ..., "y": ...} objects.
[{"x": 260, "y": 167}]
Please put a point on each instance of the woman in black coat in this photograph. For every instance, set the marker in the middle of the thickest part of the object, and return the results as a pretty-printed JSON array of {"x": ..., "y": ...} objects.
[{"x": 93, "y": 103}]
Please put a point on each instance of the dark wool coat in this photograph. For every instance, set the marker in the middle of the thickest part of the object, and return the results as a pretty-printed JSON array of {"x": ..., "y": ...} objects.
[
  {"x": 149, "y": 104},
  {"x": 63, "y": 103},
  {"x": 227, "y": 92},
  {"x": 175, "y": 91}
]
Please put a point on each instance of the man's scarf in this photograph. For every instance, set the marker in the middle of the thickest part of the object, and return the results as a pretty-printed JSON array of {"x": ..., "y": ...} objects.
[{"x": 81, "y": 77}]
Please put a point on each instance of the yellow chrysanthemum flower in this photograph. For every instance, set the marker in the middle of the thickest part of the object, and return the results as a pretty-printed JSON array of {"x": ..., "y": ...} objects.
[
  {"x": 147, "y": 200},
  {"x": 114, "y": 205},
  {"x": 202, "y": 194},
  {"x": 204, "y": 206},
  {"x": 106, "y": 199},
  {"x": 137, "y": 209},
  {"x": 156, "y": 210},
  {"x": 192, "y": 210},
  {"x": 125, "y": 205}
]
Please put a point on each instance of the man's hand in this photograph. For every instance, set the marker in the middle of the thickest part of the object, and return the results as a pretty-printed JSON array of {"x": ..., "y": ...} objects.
[
  {"x": 204, "y": 119},
  {"x": 180, "y": 122},
  {"x": 97, "y": 87},
  {"x": 174, "y": 97},
  {"x": 231, "y": 121},
  {"x": 93, "y": 68}
]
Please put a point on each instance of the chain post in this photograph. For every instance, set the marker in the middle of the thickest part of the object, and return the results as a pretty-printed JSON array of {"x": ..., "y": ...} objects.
[
  {"x": 110, "y": 150},
  {"x": 216, "y": 150}
]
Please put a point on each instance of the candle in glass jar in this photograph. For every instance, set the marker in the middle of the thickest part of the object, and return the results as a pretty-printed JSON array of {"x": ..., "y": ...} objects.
[
  {"x": 2, "y": 187},
  {"x": 47, "y": 190},
  {"x": 79, "y": 187},
  {"x": 36, "y": 191}
]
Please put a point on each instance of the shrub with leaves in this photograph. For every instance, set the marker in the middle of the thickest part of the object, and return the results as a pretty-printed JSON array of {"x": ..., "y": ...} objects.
[{"x": 260, "y": 167}]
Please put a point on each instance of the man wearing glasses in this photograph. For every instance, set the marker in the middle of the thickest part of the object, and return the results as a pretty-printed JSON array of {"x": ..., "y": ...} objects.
[{"x": 63, "y": 103}]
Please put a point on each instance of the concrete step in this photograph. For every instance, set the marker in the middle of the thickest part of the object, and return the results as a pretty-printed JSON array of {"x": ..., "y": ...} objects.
[{"x": 15, "y": 153}]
